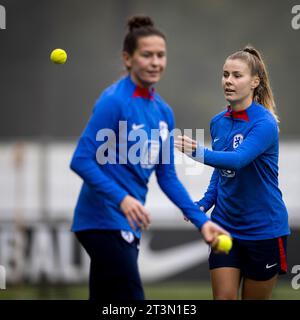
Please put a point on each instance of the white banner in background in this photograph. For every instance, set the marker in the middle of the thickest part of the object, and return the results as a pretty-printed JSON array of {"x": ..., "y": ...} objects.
[{"x": 36, "y": 180}]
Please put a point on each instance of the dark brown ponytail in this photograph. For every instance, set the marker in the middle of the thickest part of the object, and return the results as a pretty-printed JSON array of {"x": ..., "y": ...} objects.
[{"x": 139, "y": 26}]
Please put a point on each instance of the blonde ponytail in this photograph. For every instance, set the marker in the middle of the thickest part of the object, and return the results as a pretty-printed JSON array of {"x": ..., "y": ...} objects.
[{"x": 263, "y": 93}]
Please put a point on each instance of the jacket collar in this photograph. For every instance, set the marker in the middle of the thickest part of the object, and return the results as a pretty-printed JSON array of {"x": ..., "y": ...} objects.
[
  {"x": 242, "y": 114},
  {"x": 146, "y": 93}
]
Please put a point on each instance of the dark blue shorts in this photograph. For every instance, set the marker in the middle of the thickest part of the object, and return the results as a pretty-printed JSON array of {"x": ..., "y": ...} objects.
[
  {"x": 257, "y": 259},
  {"x": 114, "y": 273}
]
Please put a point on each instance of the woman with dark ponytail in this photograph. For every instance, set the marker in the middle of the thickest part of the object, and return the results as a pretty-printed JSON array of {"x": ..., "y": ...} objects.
[
  {"x": 244, "y": 185},
  {"x": 124, "y": 142}
]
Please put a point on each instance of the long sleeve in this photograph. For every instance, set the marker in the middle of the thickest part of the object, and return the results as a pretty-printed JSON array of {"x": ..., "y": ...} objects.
[
  {"x": 210, "y": 195},
  {"x": 173, "y": 188},
  {"x": 84, "y": 161},
  {"x": 258, "y": 140}
]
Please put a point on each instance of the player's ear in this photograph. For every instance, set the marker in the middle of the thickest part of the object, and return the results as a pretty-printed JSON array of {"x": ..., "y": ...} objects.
[
  {"x": 255, "y": 82},
  {"x": 127, "y": 59}
]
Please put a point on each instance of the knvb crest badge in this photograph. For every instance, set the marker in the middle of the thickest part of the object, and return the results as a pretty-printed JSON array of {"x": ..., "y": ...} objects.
[
  {"x": 2, "y": 17},
  {"x": 237, "y": 140},
  {"x": 2, "y": 278}
]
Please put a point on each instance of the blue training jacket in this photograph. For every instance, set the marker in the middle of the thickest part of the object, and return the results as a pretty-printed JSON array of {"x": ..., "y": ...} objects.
[
  {"x": 116, "y": 154},
  {"x": 244, "y": 184}
]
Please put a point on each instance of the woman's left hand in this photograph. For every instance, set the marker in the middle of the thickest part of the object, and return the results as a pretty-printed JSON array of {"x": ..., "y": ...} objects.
[{"x": 185, "y": 144}]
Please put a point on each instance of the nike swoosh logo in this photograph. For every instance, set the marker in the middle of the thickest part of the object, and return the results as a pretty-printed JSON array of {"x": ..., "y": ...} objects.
[
  {"x": 216, "y": 139},
  {"x": 272, "y": 265},
  {"x": 158, "y": 265},
  {"x": 137, "y": 126}
]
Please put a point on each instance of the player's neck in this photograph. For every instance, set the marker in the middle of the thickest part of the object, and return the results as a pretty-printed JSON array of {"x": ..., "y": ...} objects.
[
  {"x": 241, "y": 105},
  {"x": 140, "y": 83}
]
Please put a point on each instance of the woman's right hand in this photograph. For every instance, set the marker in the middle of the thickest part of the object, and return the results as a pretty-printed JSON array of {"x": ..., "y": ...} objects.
[
  {"x": 185, "y": 144},
  {"x": 210, "y": 232},
  {"x": 135, "y": 213}
]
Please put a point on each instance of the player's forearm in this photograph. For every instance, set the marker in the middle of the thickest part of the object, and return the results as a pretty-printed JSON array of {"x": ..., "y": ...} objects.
[
  {"x": 231, "y": 160},
  {"x": 175, "y": 191},
  {"x": 211, "y": 194},
  {"x": 206, "y": 203}
]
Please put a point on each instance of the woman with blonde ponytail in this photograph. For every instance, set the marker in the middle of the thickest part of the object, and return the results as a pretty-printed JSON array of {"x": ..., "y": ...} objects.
[{"x": 244, "y": 185}]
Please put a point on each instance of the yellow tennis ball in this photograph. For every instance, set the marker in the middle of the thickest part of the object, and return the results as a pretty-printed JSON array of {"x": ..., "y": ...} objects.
[
  {"x": 224, "y": 243},
  {"x": 58, "y": 56}
]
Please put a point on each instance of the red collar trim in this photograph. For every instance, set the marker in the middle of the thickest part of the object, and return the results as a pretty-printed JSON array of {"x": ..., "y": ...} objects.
[
  {"x": 144, "y": 93},
  {"x": 237, "y": 114}
]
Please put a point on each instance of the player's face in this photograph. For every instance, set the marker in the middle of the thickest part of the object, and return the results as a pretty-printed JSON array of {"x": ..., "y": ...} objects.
[
  {"x": 238, "y": 82},
  {"x": 148, "y": 61}
]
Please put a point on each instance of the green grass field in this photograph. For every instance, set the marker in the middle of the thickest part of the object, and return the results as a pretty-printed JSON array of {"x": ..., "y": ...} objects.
[{"x": 165, "y": 291}]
